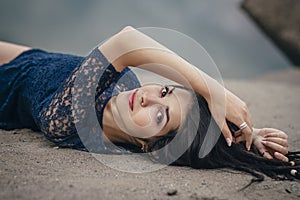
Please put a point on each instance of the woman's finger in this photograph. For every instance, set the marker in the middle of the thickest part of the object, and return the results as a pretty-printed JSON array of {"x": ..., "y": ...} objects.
[
  {"x": 248, "y": 120},
  {"x": 260, "y": 147},
  {"x": 264, "y": 152},
  {"x": 267, "y": 154},
  {"x": 280, "y": 141},
  {"x": 238, "y": 133},
  {"x": 227, "y": 134},
  {"x": 281, "y": 157},
  {"x": 248, "y": 136},
  {"x": 275, "y": 147},
  {"x": 278, "y": 134},
  {"x": 240, "y": 138},
  {"x": 247, "y": 132}
]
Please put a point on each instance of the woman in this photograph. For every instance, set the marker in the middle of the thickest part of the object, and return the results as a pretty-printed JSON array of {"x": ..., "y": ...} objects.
[{"x": 54, "y": 93}]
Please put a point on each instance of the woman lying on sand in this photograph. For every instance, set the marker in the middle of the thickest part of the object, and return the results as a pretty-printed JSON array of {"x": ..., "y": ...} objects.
[{"x": 39, "y": 91}]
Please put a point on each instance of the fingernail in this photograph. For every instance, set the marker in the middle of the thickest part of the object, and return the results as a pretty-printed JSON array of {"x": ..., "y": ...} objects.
[
  {"x": 228, "y": 140},
  {"x": 263, "y": 141},
  {"x": 248, "y": 148}
]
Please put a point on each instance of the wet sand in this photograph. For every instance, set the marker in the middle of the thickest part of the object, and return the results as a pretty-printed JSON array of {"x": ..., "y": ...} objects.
[{"x": 33, "y": 168}]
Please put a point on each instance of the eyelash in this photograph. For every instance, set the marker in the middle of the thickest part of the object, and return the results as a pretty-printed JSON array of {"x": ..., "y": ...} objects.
[{"x": 164, "y": 93}]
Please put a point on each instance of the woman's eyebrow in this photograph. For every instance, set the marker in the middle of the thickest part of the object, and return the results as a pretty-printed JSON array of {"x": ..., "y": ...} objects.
[
  {"x": 170, "y": 92},
  {"x": 167, "y": 109},
  {"x": 168, "y": 116}
]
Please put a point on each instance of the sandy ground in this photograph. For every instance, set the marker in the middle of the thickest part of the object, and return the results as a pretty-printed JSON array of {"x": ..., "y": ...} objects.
[{"x": 33, "y": 168}]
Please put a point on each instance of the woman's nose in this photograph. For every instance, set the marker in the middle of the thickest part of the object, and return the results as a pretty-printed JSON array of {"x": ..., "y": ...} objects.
[{"x": 148, "y": 99}]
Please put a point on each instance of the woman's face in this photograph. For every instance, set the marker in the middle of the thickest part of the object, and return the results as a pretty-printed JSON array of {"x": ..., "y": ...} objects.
[{"x": 151, "y": 110}]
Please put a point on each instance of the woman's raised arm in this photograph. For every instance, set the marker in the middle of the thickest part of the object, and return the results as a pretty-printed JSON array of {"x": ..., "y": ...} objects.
[{"x": 130, "y": 47}]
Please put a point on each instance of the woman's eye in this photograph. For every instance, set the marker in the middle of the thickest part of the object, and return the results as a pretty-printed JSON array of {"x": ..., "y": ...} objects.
[
  {"x": 159, "y": 117},
  {"x": 164, "y": 91}
]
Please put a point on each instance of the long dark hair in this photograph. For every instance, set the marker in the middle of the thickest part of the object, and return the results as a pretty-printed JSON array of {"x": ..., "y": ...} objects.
[{"x": 221, "y": 156}]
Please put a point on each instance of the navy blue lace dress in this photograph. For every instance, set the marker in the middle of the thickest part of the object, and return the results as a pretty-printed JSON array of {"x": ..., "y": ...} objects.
[{"x": 36, "y": 92}]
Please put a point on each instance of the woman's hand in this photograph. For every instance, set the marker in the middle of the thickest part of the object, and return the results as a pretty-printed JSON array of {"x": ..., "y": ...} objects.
[
  {"x": 236, "y": 112},
  {"x": 271, "y": 143}
]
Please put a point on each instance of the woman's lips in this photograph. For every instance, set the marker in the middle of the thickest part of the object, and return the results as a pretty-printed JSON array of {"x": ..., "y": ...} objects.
[{"x": 131, "y": 99}]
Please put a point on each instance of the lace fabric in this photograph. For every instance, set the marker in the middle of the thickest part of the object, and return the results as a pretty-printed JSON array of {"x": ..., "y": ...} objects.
[
  {"x": 28, "y": 83},
  {"x": 36, "y": 92},
  {"x": 87, "y": 95}
]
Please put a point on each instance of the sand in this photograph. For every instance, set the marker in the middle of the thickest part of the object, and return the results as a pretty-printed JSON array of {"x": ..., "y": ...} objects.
[{"x": 33, "y": 168}]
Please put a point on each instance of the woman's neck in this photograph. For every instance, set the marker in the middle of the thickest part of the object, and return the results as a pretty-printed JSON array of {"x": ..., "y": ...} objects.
[{"x": 111, "y": 131}]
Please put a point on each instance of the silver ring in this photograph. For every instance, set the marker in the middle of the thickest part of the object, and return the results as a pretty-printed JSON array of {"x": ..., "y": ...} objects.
[{"x": 243, "y": 126}]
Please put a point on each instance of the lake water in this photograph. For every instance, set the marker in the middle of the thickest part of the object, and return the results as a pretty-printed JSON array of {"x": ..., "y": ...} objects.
[{"x": 235, "y": 43}]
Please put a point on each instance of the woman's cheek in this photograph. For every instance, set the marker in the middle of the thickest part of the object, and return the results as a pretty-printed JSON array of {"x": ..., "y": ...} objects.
[{"x": 142, "y": 118}]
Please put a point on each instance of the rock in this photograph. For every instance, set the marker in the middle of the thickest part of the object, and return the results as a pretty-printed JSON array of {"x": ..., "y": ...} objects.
[
  {"x": 288, "y": 191},
  {"x": 172, "y": 192},
  {"x": 281, "y": 22}
]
